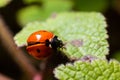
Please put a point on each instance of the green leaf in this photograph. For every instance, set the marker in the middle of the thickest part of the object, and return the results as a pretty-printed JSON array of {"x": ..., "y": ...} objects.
[
  {"x": 29, "y": 14},
  {"x": 52, "y": 5},
  {"x": 32, "y": 1},
  {"x": 4, "y": 2},
  {"x": 38, "y": 12},
  {"x": 83, "y": 70},
  {"x": 91, "y": 5},
  {"x": 82, "y": 33}
]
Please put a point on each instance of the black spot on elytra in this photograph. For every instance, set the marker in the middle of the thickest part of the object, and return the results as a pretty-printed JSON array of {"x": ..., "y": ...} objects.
[{"x": 38, "y": 50}]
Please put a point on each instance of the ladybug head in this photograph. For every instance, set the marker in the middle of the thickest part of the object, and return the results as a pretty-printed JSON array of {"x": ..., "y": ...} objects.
[{"x": 56, "y": 43}]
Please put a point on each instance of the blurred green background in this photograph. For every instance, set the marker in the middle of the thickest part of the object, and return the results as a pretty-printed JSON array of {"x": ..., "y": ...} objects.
[{"x": 20, "y": 12}]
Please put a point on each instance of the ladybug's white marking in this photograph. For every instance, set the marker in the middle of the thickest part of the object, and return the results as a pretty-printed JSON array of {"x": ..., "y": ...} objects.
[{"x": 38, "y": 36}]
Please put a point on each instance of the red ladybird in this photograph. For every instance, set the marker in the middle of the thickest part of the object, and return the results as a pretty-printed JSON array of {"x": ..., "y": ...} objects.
[{"x": 42, "y": 43}]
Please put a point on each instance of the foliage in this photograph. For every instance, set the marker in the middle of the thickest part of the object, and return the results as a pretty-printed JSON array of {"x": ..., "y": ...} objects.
[
  {"x": 92, "y": 5},
  {"x": 42, "y": 12},
  {"x": 95, "y": 70},
  {"x": 4, "y": 2}
]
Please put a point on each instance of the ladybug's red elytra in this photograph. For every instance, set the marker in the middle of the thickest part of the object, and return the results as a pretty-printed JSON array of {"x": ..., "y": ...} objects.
[{"x": 41, "y": 44}]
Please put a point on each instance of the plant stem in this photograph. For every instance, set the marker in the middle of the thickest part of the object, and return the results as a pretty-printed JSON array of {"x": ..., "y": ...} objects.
[{"x": 16, "y": 53}]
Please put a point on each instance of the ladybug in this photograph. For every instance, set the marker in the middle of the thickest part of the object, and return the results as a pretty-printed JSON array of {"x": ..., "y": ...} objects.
[{"x": 41, "y": 44}]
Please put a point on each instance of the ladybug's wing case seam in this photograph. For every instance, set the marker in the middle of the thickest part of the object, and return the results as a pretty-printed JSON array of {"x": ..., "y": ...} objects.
[{"x": 34, "y": 43}]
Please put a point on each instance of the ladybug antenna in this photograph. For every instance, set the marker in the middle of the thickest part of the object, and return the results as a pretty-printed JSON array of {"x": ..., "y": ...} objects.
[{"x": 56, "y": 43}]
